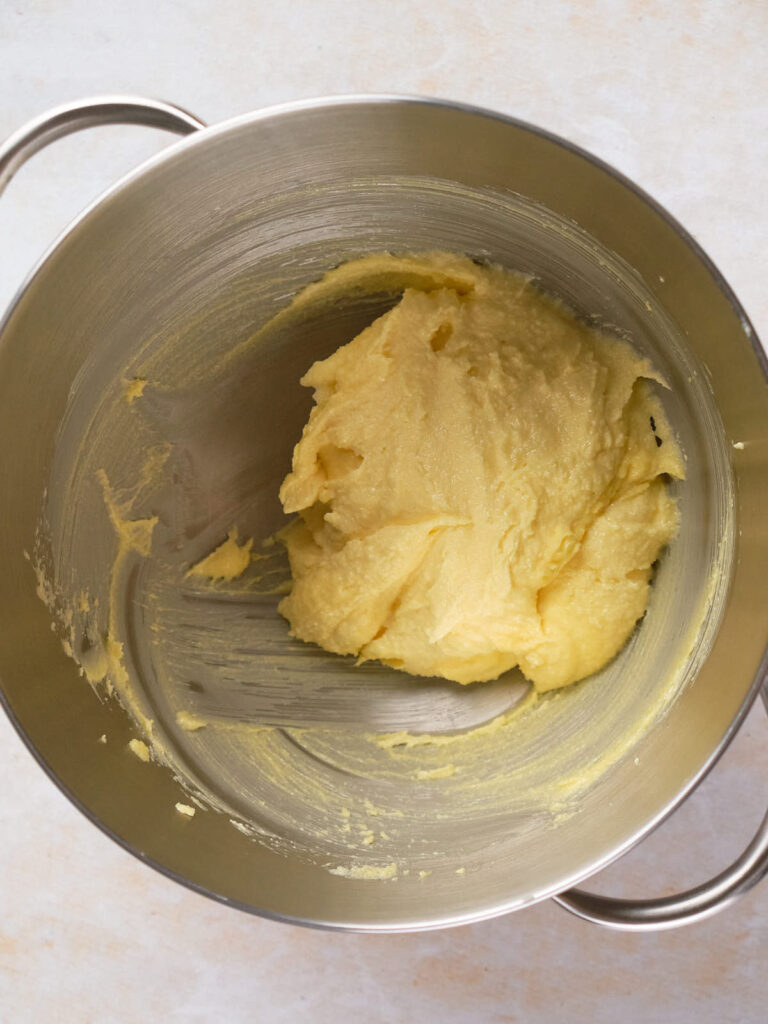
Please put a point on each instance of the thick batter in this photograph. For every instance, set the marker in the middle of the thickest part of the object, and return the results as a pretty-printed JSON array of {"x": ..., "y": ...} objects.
[{"x": 481, "y": 483}]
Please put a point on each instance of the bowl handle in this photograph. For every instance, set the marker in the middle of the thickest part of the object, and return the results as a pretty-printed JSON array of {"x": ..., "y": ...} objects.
[
  {"x": 685, "y": 907},
  {"x": 73, "y": 117}
]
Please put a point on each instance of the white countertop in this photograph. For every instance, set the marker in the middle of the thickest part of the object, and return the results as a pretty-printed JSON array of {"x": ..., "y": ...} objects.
[{"x": 675, "y": 96}]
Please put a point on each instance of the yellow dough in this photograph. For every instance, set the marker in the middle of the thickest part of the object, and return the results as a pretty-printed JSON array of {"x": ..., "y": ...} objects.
[
  {"x": 481, "y": 482},
  {"x": 227, "y": 562}
]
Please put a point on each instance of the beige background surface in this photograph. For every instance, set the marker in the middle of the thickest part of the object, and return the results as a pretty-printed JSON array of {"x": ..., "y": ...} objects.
[{"x": 676, "y": 96}]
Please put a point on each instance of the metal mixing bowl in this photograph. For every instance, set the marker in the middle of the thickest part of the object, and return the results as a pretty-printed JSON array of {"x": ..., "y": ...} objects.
[{"x": 181, "y": 261}]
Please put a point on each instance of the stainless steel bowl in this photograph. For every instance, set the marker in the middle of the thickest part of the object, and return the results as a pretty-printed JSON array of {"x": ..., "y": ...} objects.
[{"x": 183, "y": 259}]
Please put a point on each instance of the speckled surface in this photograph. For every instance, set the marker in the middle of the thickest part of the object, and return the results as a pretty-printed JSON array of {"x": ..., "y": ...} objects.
[{"x": 675, "y": 96}]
